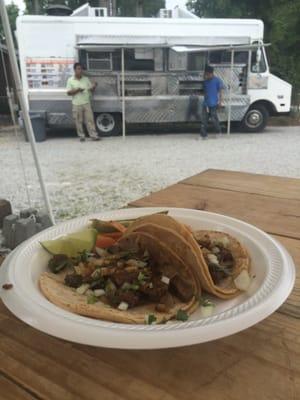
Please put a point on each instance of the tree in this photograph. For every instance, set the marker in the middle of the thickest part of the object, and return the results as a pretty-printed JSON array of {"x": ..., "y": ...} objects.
[
  {"x": 43, "y": 4},
  {"x": 282, "y": 28},
  {"x": 13, "y": 12},
  {"x": 128, "y": 8}
]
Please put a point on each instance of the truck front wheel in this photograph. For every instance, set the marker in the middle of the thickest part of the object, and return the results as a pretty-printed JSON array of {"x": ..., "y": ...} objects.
[
  {"x": 255, "y": 119},
  {"x": 108, "y": 124}
]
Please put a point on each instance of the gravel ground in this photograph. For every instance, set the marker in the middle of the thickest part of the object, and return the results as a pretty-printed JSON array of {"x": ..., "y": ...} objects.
[{"x": 86, "y": 177}]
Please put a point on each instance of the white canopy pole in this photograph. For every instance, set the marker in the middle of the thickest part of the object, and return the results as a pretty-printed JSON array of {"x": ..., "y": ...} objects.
[
  {"x": 123, "y": 96},
  {"x": 27, "y": 122},
  {"x": 230, "y": 93}
]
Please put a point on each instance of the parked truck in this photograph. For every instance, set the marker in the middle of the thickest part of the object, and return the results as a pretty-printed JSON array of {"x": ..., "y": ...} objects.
[{"x": 164, "y": 60}]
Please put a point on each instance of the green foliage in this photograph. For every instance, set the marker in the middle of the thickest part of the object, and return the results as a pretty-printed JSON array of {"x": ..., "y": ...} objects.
[
  {"x": 12, "y": 11},
  {"x": 127, "y": 8},
  {"x": 282, "y": 28},
  {"x": 43, "y": 4}
]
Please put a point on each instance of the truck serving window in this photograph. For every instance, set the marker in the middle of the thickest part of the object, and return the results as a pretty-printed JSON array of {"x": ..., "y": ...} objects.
[
  {"x": 224, "y": 57},
  {"x": 139, "y": 60},
  {"x": 196, "y": 61},
  {"x": 177, "y": 61},
  {"x": 99, "y": 61}
]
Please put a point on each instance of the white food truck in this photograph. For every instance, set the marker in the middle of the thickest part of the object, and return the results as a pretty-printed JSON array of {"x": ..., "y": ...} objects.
[{"x": 146, "y": 68}]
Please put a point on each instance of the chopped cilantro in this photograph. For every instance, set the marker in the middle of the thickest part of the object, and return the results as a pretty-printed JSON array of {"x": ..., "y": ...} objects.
[
  {"x": 92, "y": 299},
  {"x": 150, "y": 319},
  {"x": 182, "y": 315},
  {"x": 83, "y": 256},
  {"x": 141, "y": 277},
  {"x": 134, "y": 286}
]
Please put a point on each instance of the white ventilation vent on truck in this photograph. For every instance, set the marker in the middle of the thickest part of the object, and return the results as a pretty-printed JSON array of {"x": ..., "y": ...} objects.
[
  {"x": 98, "y": 12},
  {"x": 165, "y": 13}
]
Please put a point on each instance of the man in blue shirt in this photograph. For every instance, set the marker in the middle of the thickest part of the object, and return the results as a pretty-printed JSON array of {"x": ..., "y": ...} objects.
[{"x": 213, "y": 98}]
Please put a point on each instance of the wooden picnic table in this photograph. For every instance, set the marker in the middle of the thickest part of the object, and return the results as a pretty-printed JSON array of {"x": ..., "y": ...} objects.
[{"x": 262, "y": 362}]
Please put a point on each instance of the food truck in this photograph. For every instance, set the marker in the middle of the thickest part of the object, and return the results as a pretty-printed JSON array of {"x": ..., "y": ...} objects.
[{"x": 147, "y": 68}]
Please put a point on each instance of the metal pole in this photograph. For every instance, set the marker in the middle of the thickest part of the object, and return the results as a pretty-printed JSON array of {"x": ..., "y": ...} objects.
[
  {"x": 19, "y": 88},
  {"x": 230, "y": 93},
  {"x": 123, "y": 96}
]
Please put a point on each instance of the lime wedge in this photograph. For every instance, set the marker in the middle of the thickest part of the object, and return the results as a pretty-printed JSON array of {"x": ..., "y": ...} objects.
[{"x": 72, "y": 244}]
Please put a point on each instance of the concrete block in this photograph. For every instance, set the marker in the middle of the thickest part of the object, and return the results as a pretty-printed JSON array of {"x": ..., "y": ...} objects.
[
  {"x": 24, "y": 229},
  {"x": 44, "y": 219},
  {"x": 5, "y": 210},
  {"x": 39, "y": 227},
  {"x": 28, "y": 212},
  {"x": 9, "y": 230}
]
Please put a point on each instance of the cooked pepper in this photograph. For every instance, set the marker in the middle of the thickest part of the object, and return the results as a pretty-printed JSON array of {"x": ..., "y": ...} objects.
[{"x": 59, "y": 262}]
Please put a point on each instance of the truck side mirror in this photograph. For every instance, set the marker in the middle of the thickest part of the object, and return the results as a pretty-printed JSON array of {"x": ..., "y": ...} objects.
[{"x": 258, "y": 59}]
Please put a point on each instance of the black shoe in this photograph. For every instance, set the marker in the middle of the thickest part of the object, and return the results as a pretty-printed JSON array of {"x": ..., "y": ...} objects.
[{"x": 82, "y": 139}]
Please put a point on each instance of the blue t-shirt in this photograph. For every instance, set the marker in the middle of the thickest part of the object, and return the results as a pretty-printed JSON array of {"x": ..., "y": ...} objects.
[{"x": 212, "y": 88}]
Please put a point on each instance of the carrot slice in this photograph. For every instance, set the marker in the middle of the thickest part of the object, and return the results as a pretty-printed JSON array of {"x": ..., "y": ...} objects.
[
  {"x": 114, "y": 235},
  {"x": 103, "y": 242}
]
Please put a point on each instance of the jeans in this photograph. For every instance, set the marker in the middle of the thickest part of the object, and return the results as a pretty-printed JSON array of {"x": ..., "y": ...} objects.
[
  {"x": 205, "y": 114},
  {"x": 193, "y": 108}
]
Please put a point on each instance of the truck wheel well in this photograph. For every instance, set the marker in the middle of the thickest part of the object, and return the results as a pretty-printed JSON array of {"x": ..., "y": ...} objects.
[{"x": 267, "y": 104}]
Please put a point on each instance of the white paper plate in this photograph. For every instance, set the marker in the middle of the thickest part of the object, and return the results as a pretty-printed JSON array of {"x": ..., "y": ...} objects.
[{"x": 272, "y": 267}]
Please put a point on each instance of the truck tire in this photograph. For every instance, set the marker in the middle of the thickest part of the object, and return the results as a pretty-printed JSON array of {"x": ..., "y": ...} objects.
[
  {"x": 256, "y": 119},
  {"x": 108, "y": 124}
]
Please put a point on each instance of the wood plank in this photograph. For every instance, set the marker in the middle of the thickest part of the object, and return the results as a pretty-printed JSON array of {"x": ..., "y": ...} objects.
[
  {"x": 275, "y": 186},
  {"x": 233, "y": 368},
  {"x": 221, "y": 369},
  {"x": 292, "y": 305},
  {"x": 273, "y": 215},
  {"x": 10, "y": 391},
  {"x": 55, "y": 370}
]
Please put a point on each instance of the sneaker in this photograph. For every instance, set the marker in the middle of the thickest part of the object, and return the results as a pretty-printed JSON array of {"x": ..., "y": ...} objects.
[
  {"x": 82, "y": 139},
  {"x": 96, "y": 139}
]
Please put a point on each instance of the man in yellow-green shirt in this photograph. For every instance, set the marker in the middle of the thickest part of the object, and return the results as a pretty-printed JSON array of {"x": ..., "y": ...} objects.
[{"x": 81, "y": 89}]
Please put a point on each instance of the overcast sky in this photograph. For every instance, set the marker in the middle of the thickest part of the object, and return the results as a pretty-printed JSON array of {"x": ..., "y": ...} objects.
[{"x": 169, "y": 3}]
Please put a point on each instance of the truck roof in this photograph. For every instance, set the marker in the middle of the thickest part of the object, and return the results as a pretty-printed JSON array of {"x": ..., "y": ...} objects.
[{"x": 160, "y": 31}]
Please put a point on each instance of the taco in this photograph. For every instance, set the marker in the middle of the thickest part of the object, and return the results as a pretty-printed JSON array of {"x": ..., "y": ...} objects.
[
  {"x": 222, "y": 259},
  {"x": 174, "y": 241},
  {"x": 140, "y": 280},
  {"x": 216, "y": 272}
]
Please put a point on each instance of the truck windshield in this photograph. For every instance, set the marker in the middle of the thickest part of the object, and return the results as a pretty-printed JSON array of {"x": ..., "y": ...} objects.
[{"x": 262, "y": 66}]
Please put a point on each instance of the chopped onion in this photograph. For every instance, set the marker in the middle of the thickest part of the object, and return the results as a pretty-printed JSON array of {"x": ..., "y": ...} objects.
[
  {"x": 224, "y": 241},
  {"x": 212, "y": 258},
  {"x": 123, "y": 306},
  {"x": 243, "y": 281},
  {"x": 165, "y": 280},
  {"x": 96, "y": 273},
  {"x": 101, "y": 252},
  {"x": 215, "y": 250},
  {"x": 77, "y": 269},
  {"x": 99, "y": 292},
  {"x": 132, "y": 262},
  {"x": 141, "y": 264},
  {"x": 125, "y": 286},
  {"x": 83, "y": 288},
  {"x": 207, "y": 311}
]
